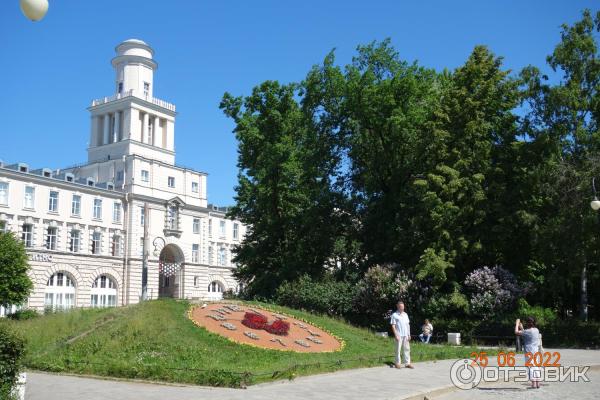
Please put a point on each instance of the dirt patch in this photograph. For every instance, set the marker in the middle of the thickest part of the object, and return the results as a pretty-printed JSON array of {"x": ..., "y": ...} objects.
[{"x": 226, "y": 320}]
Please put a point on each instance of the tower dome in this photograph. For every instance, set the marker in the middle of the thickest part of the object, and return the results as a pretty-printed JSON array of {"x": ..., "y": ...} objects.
[{"x": 134, "y": 67}]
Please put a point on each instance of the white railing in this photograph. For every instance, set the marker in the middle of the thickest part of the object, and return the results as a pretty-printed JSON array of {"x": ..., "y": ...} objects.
[{"x": 133, "y": 93}]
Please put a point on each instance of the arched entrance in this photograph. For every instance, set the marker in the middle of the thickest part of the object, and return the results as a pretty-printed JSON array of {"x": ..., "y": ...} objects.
[{"x": 170, "y": 272}]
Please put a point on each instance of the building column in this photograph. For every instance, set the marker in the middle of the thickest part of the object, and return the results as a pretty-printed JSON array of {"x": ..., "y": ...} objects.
[
  {"x": 171, "y": 135},
  {"x": 117, "y": 134},
  {"x": 106, "y": 129},
  {"x": 156, "y": 127},
  {"x": 145, "y": 128},
  {"x": 126, "y": 128},
  {"x": 94, "y": 133}
]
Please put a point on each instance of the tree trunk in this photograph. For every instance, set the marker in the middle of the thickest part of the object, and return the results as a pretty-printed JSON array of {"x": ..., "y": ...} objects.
[{"x": 584, "y": 296}]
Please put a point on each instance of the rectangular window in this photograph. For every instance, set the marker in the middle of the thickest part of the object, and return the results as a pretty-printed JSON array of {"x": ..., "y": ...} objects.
[
  {"x": 145, "y": 176},
  {"x": 210, "y": 255},
  {"x": 51, "y": 238},
  {"x": 116, "y": 246},
  {"x": 196, "y": 225},
  {"x": 75, "y": 241},
  {"x": 120, "y": 176},
  {"x": 27, "y": 235},
  {"x": 3, "y": 194},
  {"x": 116, "y": 212},
  {"x": 209, "y": 227},
  {"x": 29, "y": 199},
  {"x": 53, "y": 201},
  {"x": 196, "y": 281},
  {"x": 146, "y": 89},
  {"x": 76, "y": 205},
  {"x": 171, "y": 182},
  {"x": 195, "y": 187},
  {"x": 195, "y": 252},
  {"x": 97, "y": 208},
  {"x": 150, "y": 131},
  {"x": 236, "y": 231},
  {"x": 142, "y": 216},
  {"x": 120, "y": 88},
  {"x": 2, "y": 226},
  {"x": 96, "y": 242},
  {"x": 221, "y": 260},
  {"x": 222, "y": 229},
  {"x": 172, "y": 218}
]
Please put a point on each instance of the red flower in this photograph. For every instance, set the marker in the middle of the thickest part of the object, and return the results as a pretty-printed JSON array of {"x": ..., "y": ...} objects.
[
  {"x": 254, "y": 321},
  {"x": 278, "y": 327}
]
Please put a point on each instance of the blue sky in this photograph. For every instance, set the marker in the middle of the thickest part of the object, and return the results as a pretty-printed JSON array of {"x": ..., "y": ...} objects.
[{"x": 51, "y": 70}]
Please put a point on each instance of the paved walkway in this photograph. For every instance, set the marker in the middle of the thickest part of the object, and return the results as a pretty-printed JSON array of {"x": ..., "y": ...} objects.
[
  {"x": 431, "y": 378},
  {"x": 513, "y": 391}
]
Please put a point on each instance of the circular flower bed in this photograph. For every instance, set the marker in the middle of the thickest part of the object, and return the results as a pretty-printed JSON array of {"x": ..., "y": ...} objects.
[{"x": 263, "y": 328}]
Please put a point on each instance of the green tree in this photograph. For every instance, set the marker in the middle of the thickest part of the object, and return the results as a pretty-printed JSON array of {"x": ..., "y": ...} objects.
[
  {"x": 283, "y": 191},
  {"x": 563, "y": 123},
  {"x": 462, "y": 192},
  {"x": 389, "y": 106},
  {"x": 15, "y": 284}
]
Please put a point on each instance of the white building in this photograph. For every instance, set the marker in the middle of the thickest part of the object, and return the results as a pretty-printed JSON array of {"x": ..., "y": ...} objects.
[{"x": 90, "y": 229}]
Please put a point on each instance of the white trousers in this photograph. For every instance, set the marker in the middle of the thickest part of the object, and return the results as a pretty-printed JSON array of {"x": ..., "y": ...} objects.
[{"x": 403, "y": 346}]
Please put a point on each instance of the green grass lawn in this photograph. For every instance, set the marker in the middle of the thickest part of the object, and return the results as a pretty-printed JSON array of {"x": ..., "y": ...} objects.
[{"x": 156, "y": 341}]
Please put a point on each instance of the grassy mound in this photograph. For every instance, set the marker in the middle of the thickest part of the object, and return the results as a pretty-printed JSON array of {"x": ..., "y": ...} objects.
[{"x": 156, "y": 341}]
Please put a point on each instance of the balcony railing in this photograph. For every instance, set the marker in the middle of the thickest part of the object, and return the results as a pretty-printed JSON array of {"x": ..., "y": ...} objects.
[{"x": 133, "y": 93}]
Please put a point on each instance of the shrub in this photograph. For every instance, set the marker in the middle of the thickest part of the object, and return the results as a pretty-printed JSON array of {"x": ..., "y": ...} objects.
[
  {"x": 493, "y": 291},
  {"x": 543, "y": 316},
  {"x": 571, "y": 333},
  {"x": 229, "y": 294},
  {"x": 278, "y": 327},
  {"x": 22, "y": 315},
  {"x": 254, "y": 320},
  {"x": 377, "y": 293},
  {"x": 11, "y": 352},
  {"x": 15, "y": 284},
  {"x": 441, "y": 306},
  {"x": 326, "y": 296}
]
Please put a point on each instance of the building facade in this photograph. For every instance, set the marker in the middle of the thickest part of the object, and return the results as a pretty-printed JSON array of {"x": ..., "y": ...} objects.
[{"x": 128, "y": 224}]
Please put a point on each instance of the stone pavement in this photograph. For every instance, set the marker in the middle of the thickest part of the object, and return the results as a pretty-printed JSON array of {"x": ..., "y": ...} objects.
[
  {"x": 548, "y": 391},
  {"x": 428, "y": 378}
]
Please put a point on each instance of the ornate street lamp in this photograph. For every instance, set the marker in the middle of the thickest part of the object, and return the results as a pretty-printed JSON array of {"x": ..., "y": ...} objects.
[
  {"x": 35, "y": 10},
  {"x": 595, "y": 204}
]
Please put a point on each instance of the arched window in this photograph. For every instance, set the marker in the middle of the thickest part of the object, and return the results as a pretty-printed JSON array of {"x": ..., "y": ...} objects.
[
  {"x": 60, "y": 292},
  {"x": 215, "y": 290},
  {"x": 104, "y": 292}
]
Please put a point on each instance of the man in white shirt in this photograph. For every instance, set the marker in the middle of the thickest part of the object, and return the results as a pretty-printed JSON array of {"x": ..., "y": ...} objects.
[{"x": 401, "y": 327}]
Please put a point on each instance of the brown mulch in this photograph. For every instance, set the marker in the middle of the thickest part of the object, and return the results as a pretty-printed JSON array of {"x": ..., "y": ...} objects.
[{"x": 299, "y": 330}]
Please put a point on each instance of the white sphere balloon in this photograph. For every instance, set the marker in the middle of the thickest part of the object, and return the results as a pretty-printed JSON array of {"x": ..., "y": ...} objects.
[{"x": 34, "y": 9}]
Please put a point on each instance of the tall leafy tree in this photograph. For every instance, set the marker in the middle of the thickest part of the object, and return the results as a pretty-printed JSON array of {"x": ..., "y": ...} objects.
[
  {"x": 462, "y": 192},
  {"x": 388, "y": 106},
  {"x": 283, "y": 192},
  {"x": 563, "y": 123}
]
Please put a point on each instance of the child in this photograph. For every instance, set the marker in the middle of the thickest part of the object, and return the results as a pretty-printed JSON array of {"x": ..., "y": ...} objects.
[{"x": 531, "y": 343}]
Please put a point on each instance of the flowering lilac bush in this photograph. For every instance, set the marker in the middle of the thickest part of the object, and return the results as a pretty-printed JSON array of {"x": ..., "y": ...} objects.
[
  {"x": 493, "y": 291},
  {"x": 379, "y": 290}
]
